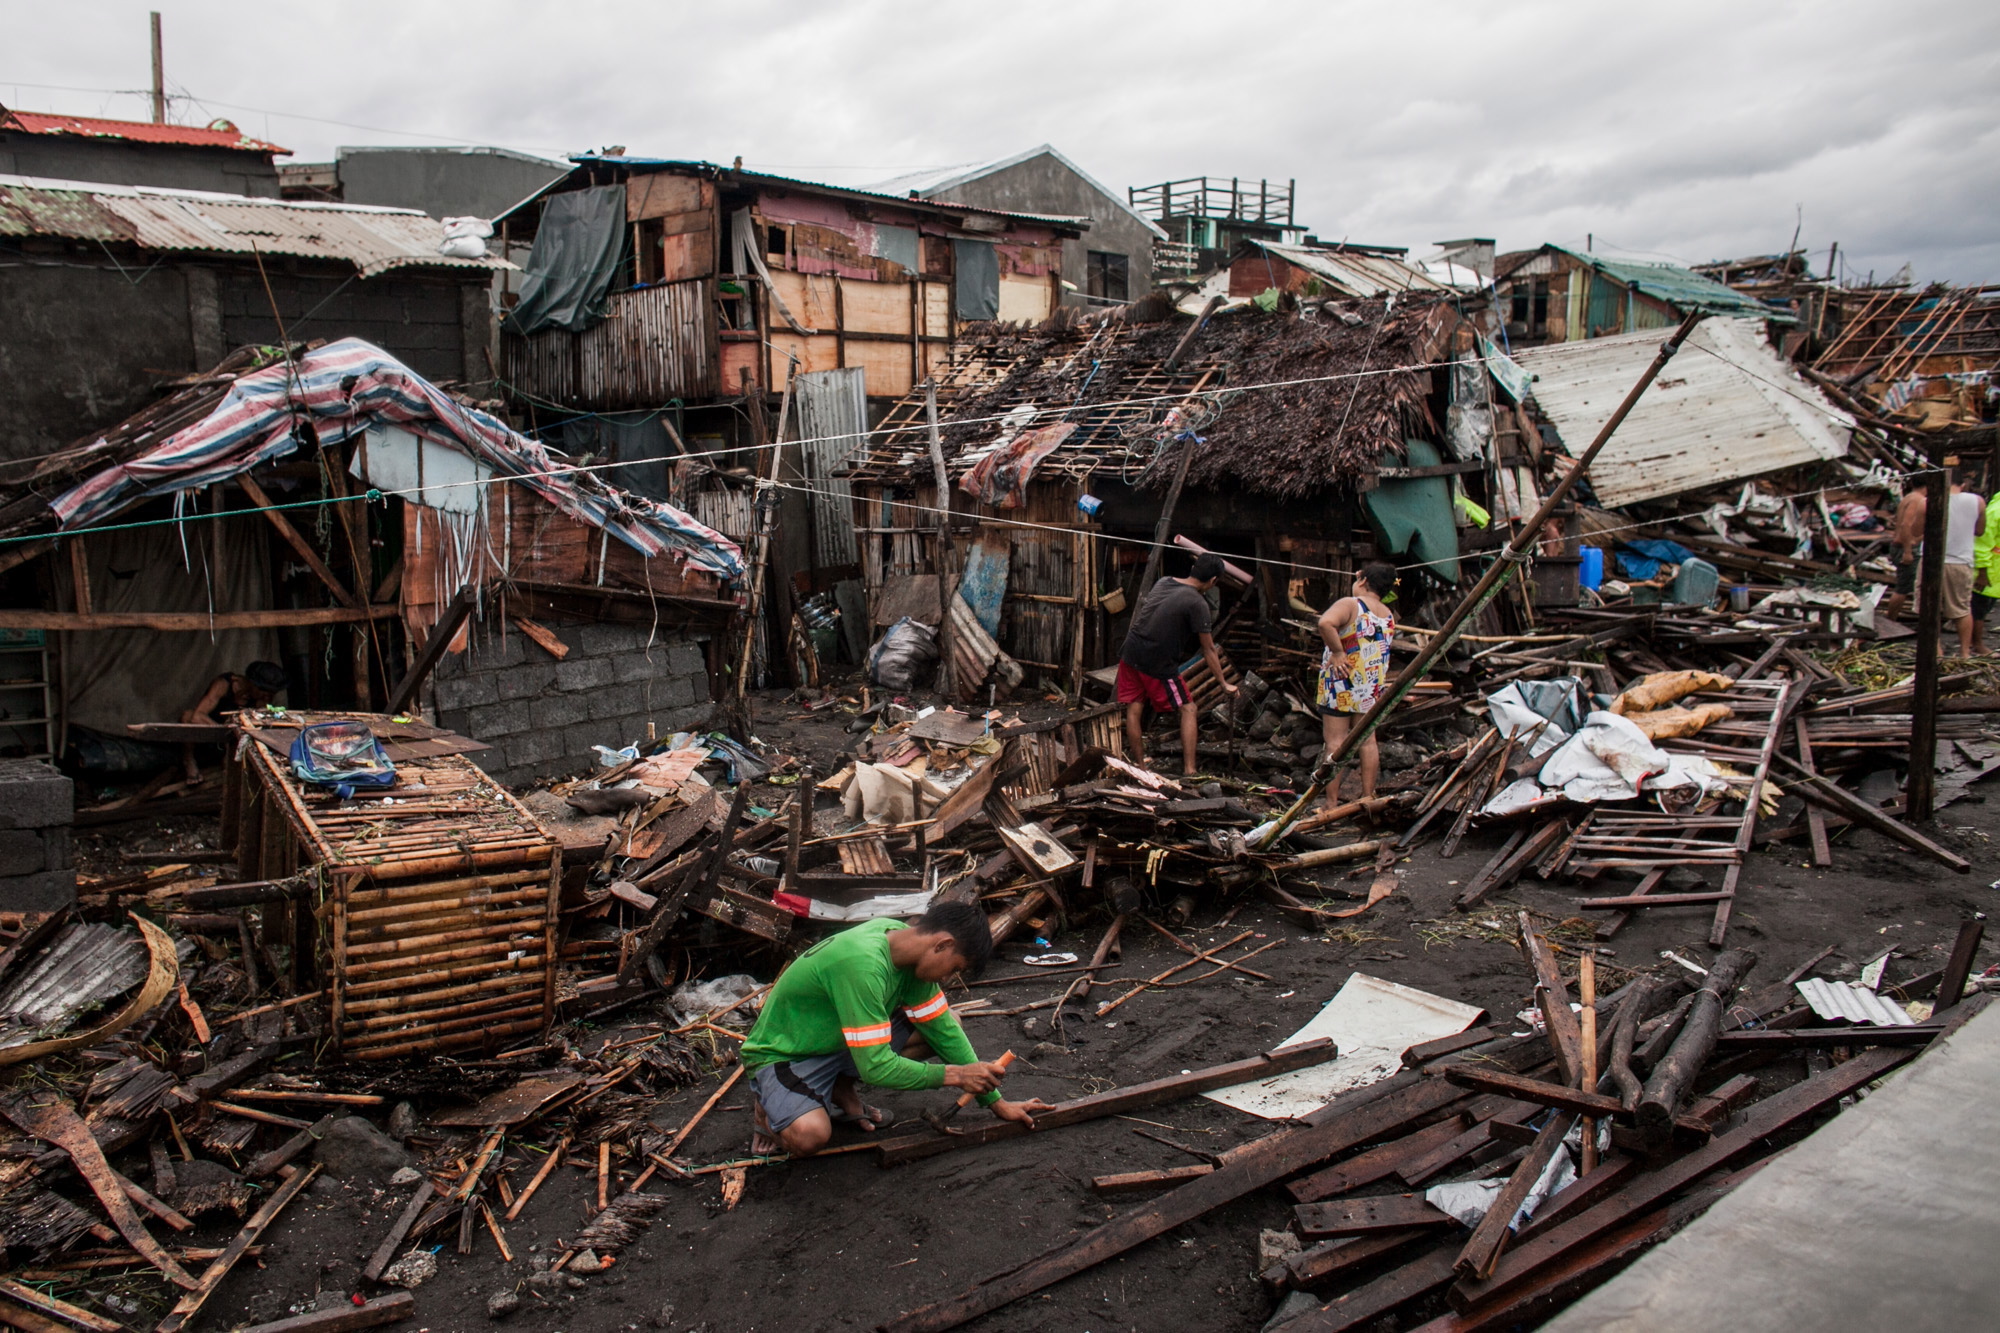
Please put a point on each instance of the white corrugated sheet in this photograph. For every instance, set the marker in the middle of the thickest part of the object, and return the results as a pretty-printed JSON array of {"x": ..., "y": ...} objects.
[
  {"x": 1855, "y": 1004},
  {"x": 1728, "y": 406},
  {"x": 1356, "y": 273}
]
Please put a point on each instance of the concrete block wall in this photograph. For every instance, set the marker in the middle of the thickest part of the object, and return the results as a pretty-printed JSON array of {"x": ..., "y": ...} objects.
[
  {"x": 542, "y": 716},
  {"x": 37, "y": 805}
]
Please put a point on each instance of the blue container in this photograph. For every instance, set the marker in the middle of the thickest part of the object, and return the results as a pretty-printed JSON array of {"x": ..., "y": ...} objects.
[
  {"x": 1089, "y": 504},
  {"x": 1591, "y": 574}
]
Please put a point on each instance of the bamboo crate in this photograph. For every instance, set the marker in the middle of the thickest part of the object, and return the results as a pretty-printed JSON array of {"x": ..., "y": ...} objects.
[{"x": 435, "y": 928}]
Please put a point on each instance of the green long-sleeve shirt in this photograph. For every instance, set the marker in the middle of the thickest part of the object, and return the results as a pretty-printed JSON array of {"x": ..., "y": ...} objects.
[{"x": 842, "y": 993}]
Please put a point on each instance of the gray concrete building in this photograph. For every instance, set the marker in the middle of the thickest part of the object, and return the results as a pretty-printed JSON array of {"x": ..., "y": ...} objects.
[
  {"x": 473, "y": 182},
  {"x": 216, "y": 157},
  {"x": 107, "y": 292},
  {"x": 1110, "y": 264}
]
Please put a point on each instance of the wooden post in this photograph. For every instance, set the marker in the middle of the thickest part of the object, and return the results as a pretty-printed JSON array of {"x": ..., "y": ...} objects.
[
  {"x": 1920, "y": 789},
  {"x": 760, "y": 551},
  {"x": 1586, "y": 994},
  {"x": 1951, "y": 986},
  {"x": 946, "y": 553},
  {"x": 1490, "y": 583}
]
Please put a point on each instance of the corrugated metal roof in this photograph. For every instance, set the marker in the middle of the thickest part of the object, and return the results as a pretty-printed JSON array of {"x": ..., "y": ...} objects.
[
  {"x": 1681, "y": 288},
  {"x": 1855, "y": 1004},
  {"x": 374, "y": 240},
  {"x": 1726, "y": 407},
  {"x": 1356, "y": 273},
  {"x": 218, "y": 134}
]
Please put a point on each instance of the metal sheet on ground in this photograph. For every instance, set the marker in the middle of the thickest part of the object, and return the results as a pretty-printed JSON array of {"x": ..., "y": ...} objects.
[{"x": 1372, "y": 1022}]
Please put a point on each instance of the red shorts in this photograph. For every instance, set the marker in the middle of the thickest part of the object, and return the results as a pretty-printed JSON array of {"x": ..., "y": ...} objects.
[{"x": 1164, "y": 695}]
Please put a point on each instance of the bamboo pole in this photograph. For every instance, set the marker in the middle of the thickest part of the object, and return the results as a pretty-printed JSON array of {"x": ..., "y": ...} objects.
[
  {"x": 535, "y": 1182},
  {"x": 1489, "y": 586}
]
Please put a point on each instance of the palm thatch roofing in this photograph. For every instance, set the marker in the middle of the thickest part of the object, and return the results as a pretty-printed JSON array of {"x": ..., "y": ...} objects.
[{"x": 1285, "y": 404}]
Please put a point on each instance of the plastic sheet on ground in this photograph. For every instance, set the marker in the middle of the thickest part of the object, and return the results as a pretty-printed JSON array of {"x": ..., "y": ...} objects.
[
  {"x": 1469, "y": 1200},
  {"x": 1371, "y": 1023},
  {"x": 1520, "y": 706},
  {"x": 1610, "y": 759},
  {"x": 868, "y": 909}
]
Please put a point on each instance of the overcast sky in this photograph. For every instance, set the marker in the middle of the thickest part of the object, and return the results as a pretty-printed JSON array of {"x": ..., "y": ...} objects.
[{"x": 1687, "y": 131}]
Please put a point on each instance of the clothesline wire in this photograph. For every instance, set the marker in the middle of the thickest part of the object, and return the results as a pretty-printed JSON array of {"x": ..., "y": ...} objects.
[{"x": 570, "y": 470}]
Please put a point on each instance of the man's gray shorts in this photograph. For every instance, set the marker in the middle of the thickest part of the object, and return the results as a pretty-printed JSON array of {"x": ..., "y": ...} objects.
[{"x": 791, "y": 1088}]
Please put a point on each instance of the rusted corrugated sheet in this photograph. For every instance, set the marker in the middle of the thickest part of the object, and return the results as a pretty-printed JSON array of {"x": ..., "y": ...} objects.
[
  {"x": 652, "y": 346},
  {"x": 832, "y": 407},
  {"x": 67, "y": 213},
  {"x": 221, "y": 134},
  {"x": 372, "y": 239}
]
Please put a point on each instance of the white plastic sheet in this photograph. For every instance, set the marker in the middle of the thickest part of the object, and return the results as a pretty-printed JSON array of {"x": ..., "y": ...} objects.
[{"x": 1371, "y": 1022}]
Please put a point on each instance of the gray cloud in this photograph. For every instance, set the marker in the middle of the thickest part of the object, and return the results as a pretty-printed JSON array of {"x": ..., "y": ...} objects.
[{"x": 1691, "y": 131}]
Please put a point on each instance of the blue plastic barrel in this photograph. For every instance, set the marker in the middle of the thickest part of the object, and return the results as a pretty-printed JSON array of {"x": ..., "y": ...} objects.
[{"x": 1591, "y": 573}]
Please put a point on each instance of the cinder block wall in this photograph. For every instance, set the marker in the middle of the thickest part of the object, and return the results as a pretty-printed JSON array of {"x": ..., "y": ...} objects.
[
  {"x": 37, "y": 805},
  {"x": 542, "y": 716}
]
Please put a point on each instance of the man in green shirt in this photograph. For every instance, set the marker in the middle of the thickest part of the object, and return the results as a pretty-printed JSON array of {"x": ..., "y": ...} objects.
[{"x": 863, "y": 1006}]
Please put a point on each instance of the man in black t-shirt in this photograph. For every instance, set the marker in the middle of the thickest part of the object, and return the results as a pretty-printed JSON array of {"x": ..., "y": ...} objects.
[{"x": 1171, "y": 622}]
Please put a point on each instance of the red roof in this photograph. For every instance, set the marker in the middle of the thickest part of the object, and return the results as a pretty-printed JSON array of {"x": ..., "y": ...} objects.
[{"x": 220, "y": 134}]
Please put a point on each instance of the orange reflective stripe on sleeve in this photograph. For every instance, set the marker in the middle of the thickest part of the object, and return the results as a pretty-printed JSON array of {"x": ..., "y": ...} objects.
[
  {"x": 876, "y": 1034},
  {"x": 929, "y": 1009}
]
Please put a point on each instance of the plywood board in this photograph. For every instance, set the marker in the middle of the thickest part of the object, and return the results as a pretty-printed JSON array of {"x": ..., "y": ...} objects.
[
  {"x": 886, "y": 367},
  {"x": 1372, "y": 1022},
  {"x": 1023, "y": 300},
  {"x": 875, "y": 307},
  {"x": 659, "y": 194},
  {"x": 688, "y": 255}
]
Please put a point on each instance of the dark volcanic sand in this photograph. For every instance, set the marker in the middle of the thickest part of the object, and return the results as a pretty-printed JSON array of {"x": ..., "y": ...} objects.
[{"x": 843, "y": 1244}]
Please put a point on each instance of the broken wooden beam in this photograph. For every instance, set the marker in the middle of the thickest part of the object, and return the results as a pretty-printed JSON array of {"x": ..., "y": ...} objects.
[
  {"x": 388, "y": 1309},
  {"x": 211, "y": 1278},
  {"x": 386, "y": 1251},
  {"x": 1116, "y": 1102},
  {"x": 1822, "y": 791},
  {"x": 1354, "y": 1217},
  {"x": 1128, "y": 1182},
  {"x": 1482, "y": 1249},
  {"x": 1674, "y": 1076},
  {"x": 1346, "y": 1122}
]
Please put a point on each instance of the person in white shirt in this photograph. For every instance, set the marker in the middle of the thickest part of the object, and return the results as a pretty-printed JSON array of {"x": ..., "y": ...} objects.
[{"x": 1965, "y": 521}]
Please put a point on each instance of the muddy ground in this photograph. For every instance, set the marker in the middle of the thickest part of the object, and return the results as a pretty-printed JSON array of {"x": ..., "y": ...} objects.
[{"x": 843, "y": 1244}]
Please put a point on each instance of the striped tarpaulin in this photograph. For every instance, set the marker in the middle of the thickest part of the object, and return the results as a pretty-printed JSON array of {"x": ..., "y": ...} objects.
[{"x": 340, "y": 389}]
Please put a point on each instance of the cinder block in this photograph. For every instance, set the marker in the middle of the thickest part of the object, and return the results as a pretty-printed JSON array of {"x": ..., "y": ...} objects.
[
  {"x": 494, "y": 649},
  {"x": 637, "y": 666},
  {"x": 456, "y": 719},
  {"x": 584, "y": 673},
  {"x": 467, "y": 691},
  {"x": 596, "y": 640},
  {"x": 617, "y": 701},
  {"x": 34, "y": 795},
  {"x": 43, "y": 891},
  {"x": 23, "y": 852},
  {"x": 494, "y": 720},
  {"x": 687, "y": 659},
  {"x": 526, "y": 682},
  {"x": 56, "y": 848},
  {"x": 679, "y": 692},
  {"x": 579, "y": 737},
  {"x": 557, "y": 710},
  {"x": 680, "y": 719}
]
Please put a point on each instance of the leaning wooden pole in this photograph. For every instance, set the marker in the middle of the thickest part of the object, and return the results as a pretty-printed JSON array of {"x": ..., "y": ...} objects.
[{"x": 1489, "y": 586}]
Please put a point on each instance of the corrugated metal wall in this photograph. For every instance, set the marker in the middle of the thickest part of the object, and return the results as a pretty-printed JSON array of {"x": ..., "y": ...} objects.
[
  {"x": 654, "y": 345},
  {"x": 832, "y": 423}
]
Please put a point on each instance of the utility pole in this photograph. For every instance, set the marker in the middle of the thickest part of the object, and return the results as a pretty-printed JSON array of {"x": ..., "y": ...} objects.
[
  {"x": 159, "y": 75},
  {"x": 1920, "y": 788}
]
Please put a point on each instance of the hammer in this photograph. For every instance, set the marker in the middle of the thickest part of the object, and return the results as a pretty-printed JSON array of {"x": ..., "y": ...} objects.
[{"x": 941, "y": 1121}]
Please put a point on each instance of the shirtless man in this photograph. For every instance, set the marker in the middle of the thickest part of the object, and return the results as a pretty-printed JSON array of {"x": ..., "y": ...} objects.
[
  {"x": 255, "y": 686},
  {"x": 1909, "y": 537}
]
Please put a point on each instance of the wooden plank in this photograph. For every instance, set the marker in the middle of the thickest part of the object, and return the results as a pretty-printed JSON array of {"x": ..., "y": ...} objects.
[
  {"x": 43, "y": 1303},
  {"x": 1820, "y": 791},
  {"x": 388, "y": 1309},
  {"x": 1792, "y": 1039},
  {"x": 298, "y": 543},
  {"x": 190, "y": 1304},
  {"x": 1353, "y": 1217},
  {"x": 1637, "y": 900},
  {"x": 1775, "y": 1113},
  {"x": 1126, "y": 1182},
  {"x": 435, "y": 644},
  {"x": 1534, "y": 1090},
  {"x": 1482, "y": 1249},
  {"x": 57, "y": 1122},
  {"x": 1318, "y": 1264},
  {"x": 386, "y": 1251},
  {"x": 1344, "y": 1123},
  {"x": 1565, "y": 1035},
  {"x": 1377, "y": 1163},
  {"x": 1117, "y": 1101},
  {"x": 175, "y": 622},
  {"x": 1386, "y": 1294}
]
